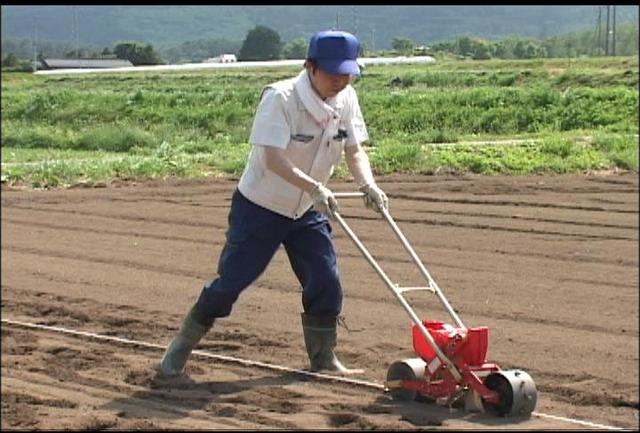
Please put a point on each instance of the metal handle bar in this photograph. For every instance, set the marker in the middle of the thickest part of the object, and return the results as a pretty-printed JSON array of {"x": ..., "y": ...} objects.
[
  {"x": 393, "y": 287},
  {"x": 433, "y": 286},
  {"x": 422, "y": 268}
]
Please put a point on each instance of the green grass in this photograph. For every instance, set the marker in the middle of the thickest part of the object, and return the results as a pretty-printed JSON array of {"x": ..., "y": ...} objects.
[
  {"x": 190, "y": 124},
  {"x": 22, "y": 155},
  {"x": 552, "y": 154},
  {"x": 164, "y": 162}
]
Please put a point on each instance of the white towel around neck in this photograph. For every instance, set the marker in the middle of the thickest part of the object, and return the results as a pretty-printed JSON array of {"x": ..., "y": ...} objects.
[{"x": 319, "y": 109}]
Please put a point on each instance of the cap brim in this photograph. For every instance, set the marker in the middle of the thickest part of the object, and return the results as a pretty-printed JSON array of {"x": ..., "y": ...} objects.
[{"x": 339, "y": 67}]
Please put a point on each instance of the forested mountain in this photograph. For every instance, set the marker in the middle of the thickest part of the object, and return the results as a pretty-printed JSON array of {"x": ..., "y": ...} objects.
[{"x": 377, "y": 26}]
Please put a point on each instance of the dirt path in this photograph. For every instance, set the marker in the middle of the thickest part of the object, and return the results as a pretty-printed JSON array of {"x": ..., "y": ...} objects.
[{"x": 549, "y": 264}]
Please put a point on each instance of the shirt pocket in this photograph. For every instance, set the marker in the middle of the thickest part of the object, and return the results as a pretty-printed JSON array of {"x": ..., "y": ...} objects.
[
  {"x": 302, "y": 138},
  {"x": 336, "y": 144},
  {"x": 301, "y": 144}
]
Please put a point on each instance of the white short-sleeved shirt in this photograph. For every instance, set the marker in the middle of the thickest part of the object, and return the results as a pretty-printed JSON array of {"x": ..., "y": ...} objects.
[{"x": 282, "y": 121}]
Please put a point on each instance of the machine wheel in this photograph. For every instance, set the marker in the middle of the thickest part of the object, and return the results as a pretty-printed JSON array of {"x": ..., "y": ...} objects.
[
  {"x": 516, "y": 391},
  {"x": 407, "y": 369}
]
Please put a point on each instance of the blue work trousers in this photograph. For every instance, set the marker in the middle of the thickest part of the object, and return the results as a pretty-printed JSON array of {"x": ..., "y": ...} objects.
[{"x": 253, "y": 237}]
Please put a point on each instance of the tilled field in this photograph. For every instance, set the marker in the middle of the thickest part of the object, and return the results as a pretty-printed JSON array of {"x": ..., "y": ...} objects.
[{"x": 549, "y": 264}]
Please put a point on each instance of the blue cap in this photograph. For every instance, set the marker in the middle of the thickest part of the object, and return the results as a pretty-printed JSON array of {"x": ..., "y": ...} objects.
[{"x": 335, "y": 52}]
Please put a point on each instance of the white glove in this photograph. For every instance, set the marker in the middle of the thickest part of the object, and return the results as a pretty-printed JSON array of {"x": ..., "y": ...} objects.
[
  {"x": 324, "y": 201},
  {"x": 375, "y": 198}
]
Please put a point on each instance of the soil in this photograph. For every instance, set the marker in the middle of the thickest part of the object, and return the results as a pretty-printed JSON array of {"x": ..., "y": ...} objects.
[{"x": 548, "y": 263}]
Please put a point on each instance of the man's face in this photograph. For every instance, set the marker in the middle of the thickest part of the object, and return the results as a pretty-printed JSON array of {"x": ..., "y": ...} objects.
[{"x": 328, "y": 85}]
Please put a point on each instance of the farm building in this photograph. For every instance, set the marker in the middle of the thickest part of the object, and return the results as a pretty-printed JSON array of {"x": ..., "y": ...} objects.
[
  {"x": 222, "y": 58},
  {"x": 49, "y": 64}
]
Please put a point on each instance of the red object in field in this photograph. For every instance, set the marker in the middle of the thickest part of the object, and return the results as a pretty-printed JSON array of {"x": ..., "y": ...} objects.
[{"x": 463, "y": 346}]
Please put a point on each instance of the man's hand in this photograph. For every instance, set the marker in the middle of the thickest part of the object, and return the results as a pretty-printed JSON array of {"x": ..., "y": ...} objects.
[
  {"x": 375, "y": 197},
  {"x": 324, "y": 201}
]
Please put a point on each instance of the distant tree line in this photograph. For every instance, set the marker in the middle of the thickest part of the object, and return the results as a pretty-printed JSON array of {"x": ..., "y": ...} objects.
[
  {"x": 199, "y": 50},
  {"x": 481, "y": 49},
  {"x": 13, "y": 63},
  {"x": 263, "y": 43},
  {"x": 21, "y": 50},
  {"x": 567, "y": 45},
  {"x": 137, "y": 53}
]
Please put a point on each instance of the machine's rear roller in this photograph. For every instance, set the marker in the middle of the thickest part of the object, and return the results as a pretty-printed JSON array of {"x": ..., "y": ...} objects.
[
  {"x": 516, "y": 390},
  {"x": 407, "y": 369}
]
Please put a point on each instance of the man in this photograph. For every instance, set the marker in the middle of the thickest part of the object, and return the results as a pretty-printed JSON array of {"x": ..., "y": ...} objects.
[{"x": 301, "y": 127}]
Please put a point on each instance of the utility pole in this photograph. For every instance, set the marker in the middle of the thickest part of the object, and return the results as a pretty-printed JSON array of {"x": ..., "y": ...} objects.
[
  {"x": 599, "y": 43},
  {"x": 373, "y": 39},
  {"x": 613, "y": 36},
  {"x": 337, "y": 26},
  {"x": 77, "y": 31},
  {"x": 606, "y": 36},
  {"x": 35, "y": 44},
  {"x": 355, "y": 20}
]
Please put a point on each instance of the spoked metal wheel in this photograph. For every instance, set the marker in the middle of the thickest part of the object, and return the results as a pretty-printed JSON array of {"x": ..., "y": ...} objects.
[
  {"x": 517, "y": 394},
  {"x": 407, "y": 369}
]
